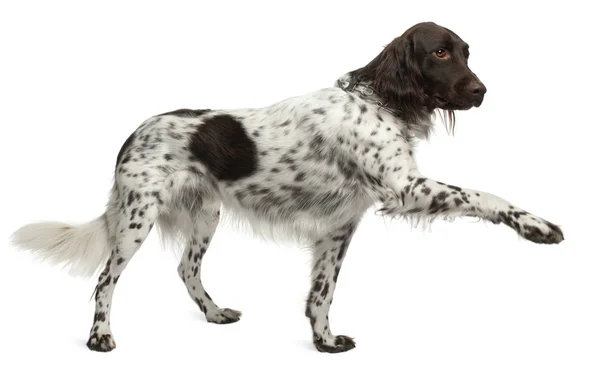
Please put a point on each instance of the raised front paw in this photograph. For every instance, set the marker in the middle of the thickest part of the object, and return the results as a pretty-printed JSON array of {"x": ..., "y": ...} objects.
[
  {"x": 546, "y": 233},
  {"x": 531, "y": 227}
]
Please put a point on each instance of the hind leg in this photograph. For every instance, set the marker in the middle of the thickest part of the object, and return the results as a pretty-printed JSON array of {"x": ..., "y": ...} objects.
[
  {"x": 189, "y": 270},
  {"x": 134, "y": 224}
]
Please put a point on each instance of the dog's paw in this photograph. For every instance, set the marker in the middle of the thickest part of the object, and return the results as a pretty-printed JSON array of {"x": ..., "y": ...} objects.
[
  {"x": 223, "y": 316},
  {"x": 336, "y": 344},
  {"x": 532, "y": 227},
  {"x": 101, "y": 342},
  {"x": 543, "y": 233}
]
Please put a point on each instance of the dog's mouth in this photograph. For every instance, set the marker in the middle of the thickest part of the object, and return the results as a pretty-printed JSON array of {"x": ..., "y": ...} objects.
[
  {"x": 440, "y": 102},
  {"x": 443, "y": 103}
]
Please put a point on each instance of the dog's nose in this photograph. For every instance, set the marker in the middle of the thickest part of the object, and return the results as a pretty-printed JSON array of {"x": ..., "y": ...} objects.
[{"x": 476, "y": 88}]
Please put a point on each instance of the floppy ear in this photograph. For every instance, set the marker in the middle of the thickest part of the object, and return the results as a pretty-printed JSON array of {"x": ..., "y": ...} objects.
[{"x": 398, "y": 79}]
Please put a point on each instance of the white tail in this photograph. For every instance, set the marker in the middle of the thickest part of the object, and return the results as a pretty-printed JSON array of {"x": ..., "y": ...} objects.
[{"x": 81, "y": 249}]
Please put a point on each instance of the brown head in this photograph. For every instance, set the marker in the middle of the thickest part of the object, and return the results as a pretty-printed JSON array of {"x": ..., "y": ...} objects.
[{"x": 424, "y": 69}]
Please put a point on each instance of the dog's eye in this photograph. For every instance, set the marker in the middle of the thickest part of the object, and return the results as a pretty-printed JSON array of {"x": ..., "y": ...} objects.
[{"x": 441, "y": 53}]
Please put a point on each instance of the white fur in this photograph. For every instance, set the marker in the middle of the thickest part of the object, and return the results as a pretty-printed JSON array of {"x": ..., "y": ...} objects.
[{"x": 80, "y": 249}]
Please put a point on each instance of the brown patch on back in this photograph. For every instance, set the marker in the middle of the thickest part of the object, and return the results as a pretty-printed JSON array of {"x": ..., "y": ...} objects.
[{"x": 222, "y": 145}]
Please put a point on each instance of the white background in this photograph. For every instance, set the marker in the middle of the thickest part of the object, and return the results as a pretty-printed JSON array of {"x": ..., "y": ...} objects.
[{"x": 76, "y": 79}]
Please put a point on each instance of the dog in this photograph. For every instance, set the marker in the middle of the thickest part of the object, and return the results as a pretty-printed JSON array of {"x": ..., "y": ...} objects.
[{"x": 306, "y": 168}]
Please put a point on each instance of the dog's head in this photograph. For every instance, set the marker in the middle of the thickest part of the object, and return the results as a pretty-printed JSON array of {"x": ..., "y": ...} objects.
[{"x": 424, "y": 69}]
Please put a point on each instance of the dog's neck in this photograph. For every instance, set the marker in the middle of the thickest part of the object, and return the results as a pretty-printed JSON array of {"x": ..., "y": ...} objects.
[
  {"x": 367, "y": 93},
  {"x": 365, "y": 90}
]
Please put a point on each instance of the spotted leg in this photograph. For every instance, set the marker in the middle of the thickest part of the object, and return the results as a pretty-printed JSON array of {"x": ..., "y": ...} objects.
[
  {"x": 190, "y": 267},
  {"x": 135, "y": 223},
  {"x": 423, "y": 197},
  {"x": 328, "y": 256}
]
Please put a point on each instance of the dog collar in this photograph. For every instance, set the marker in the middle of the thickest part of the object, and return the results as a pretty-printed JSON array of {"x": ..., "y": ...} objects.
[{"x": 365, "y": 91}]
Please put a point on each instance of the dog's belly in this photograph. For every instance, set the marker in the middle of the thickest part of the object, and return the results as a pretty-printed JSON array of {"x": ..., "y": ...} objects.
[{"x": 307, "y": 201}]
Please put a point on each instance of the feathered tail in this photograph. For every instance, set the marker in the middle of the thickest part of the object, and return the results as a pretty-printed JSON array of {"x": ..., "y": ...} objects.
[{"x": 81, "y": 249}]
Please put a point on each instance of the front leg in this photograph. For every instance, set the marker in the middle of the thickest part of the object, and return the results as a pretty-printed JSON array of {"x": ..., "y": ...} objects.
[
  {"x": 386, "y": 155},
  {"x": 416, "y": 196},
  {"x": 328, "y": 254}
]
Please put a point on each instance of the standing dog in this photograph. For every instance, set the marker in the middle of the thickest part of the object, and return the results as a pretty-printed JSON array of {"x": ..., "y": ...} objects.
[{"x": 307, "y": 167}]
